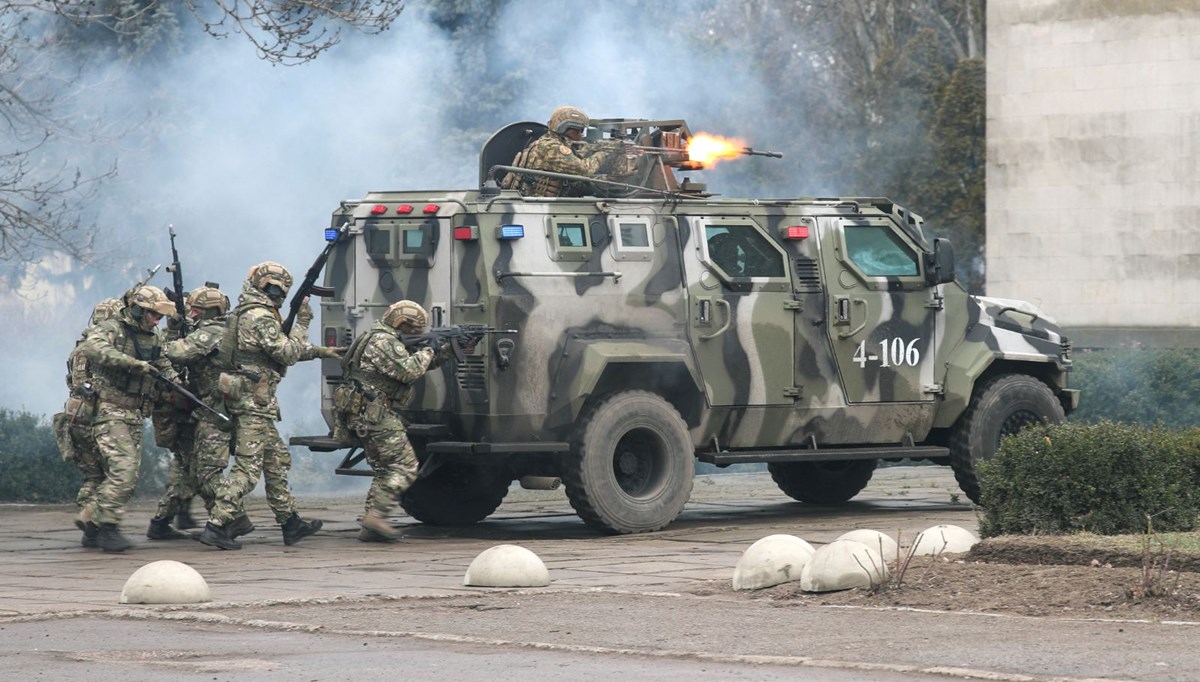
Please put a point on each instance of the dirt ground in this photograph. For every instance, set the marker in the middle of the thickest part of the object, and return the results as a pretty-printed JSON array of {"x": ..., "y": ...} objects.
[{"x": 1034, "y": 577}]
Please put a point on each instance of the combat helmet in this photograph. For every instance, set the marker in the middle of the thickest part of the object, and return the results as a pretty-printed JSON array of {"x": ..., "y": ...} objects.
[
  {"x": 208, "y": 298},
  {"x": 567, "y": 117},
  {"x": 406, "y": 313},
  {"x": 150, "y": 297},
  {"x": 267, "y": 274}
]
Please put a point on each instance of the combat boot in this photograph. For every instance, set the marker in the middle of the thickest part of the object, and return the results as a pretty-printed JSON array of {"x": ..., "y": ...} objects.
[
  {"x": 375, "y": 528},
  {"x": 111, "y": 540},
  {"x": 216, "y": 536},
  {"x": 160, "y": 529},
  {"x": 296, "y": 528},
  {"x": 90, "y": 531},
  {"x": 240, "y": 526},
  {"x": 184, "y": 520}
]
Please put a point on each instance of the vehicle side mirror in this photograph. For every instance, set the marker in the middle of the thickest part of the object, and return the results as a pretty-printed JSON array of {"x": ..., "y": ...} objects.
[{"x": 939, "y": 265}]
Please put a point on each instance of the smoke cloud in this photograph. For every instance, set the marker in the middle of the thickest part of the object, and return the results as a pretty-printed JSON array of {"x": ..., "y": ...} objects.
[{"x": 248, "y": 160}]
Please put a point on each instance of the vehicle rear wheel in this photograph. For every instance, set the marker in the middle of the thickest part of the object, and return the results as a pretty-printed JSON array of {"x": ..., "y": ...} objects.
[
  {"x": 456, "y": 494},
  {"x": 1000, "y": 406},
  {"x": 630, "y": 469},
  {"x": 822, "y": 482}
]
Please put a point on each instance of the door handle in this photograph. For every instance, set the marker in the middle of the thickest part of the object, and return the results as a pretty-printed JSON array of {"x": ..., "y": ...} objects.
[
  {"x": 845, "y": 315},
  {"x": 728, "y": 319}
]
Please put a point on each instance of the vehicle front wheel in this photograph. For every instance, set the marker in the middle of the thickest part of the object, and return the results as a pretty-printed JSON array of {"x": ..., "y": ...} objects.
[
  {"x": 630, "y": 468},
  {"x": 1001, "y": 406}
]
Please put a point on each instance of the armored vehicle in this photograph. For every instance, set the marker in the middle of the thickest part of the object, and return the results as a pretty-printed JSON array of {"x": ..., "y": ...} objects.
[{"x": 647, "y": 324}]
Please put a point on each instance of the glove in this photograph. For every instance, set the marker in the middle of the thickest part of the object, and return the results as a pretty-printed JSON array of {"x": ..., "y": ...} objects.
[
  {"x": 305, "y": 314},
  {"x": 143, "y": 367},
  {"x": 331, "y": 352}
]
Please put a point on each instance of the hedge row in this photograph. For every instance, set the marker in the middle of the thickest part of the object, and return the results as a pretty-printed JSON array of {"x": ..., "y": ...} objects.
[
  {"x": 32, "y": 470},
  {"x": 1105, "y": 478}
]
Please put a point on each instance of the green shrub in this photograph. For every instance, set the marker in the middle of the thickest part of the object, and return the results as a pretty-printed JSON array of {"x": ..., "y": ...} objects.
[
  {"x": 1138, "y": 386},
  {"x": 1102, "y": 478},
  {"x": 31, "y": 469}
]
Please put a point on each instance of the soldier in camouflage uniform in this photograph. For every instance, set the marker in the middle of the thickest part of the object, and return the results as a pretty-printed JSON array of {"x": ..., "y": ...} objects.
[
  {"x": 380, "y": 374},
  {"x": 201, "y": 448},
  {"x": 253, "y": 355},
  {"x": 122, "y": 354},
  {"x": 73, "y": 426},
  {"x": 562, "y": 150}
]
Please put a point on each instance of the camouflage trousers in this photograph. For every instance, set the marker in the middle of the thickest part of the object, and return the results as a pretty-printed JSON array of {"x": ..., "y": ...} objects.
[
  {"x": 211, "y": 453},
  {"x": 119, "y": 440},
  {"x": 88, "y": 461},
  {"x": 393, "y": 460},
  {"x": 258, "y": 450},
  {"x": 181, "y": 475}
]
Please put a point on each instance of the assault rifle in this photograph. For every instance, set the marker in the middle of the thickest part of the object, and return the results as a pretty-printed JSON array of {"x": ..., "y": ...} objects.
[
  {"x": 459, "y": 336},
  {"x": 195, "y": 400},
  {"x": 309, "y": 286},
  {"x": 177, "y": 295}
]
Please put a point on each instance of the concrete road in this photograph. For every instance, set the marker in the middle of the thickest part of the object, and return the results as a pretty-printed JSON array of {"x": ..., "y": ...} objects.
[{"x": 653, "y": 606}]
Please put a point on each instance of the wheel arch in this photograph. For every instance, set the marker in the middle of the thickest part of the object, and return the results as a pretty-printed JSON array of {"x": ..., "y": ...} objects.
[
  {"x": 603, "y": 367},
  {"x": 962, "y": 377}
]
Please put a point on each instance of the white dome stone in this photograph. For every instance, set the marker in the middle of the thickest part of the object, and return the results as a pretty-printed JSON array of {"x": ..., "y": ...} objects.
[
  {"x": 165, "y": 582},
  {"x": 943, "y": 539},
  {"x": 841, "y": 565},
  {"x": 507, "y": 566},
  {"x": 772, "y": 560},
  {"x": 876, "y": 540}
]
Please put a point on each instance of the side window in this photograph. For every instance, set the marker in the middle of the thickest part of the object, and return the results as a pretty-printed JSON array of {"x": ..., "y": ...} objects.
[
  {"x": 741, "y": 251},
  {"x": 878, "y": 252},
  {"x": 571, "y": 234},
  {"x": 568, "y": 238},
  {"x": 632, "y": 237}
]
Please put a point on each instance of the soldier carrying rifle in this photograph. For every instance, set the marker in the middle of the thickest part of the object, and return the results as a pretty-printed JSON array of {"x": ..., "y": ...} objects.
[{"x": 380, "y": 373}]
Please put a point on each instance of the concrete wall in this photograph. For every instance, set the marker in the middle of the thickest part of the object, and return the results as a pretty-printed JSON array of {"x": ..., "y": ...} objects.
[{"x": 1093, "y": 182}]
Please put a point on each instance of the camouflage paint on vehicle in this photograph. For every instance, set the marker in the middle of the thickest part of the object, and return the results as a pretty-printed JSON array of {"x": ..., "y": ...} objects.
[{"x": 779, "y": 330}]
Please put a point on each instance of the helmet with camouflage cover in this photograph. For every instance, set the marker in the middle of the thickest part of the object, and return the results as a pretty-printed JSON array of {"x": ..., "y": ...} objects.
[
  {"x": 106, "y": 309},
  {"x": 150, "y": 297},
  {"x": 267, "y": 274},
  {"x": 566, "y": 118},
  {"x": 208, "y": 298},
  {"x": 147, "y": 298},
  {"x": 406, "y": 313}
]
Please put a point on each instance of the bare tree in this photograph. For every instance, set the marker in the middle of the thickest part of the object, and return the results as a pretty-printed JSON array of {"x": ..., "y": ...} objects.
[{"x": 43, "y": 203}]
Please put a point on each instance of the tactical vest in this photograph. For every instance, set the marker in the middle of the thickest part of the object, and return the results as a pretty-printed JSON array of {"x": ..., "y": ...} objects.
[
  {"x": 123, "y": 386},
  {"x": 396, "y": 392},
  {"x": 232, "y": 358},
  {"x": 206, "y": 373}
]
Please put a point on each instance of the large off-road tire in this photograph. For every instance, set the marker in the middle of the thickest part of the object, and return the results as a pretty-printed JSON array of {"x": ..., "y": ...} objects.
[
  {"x": 631, "y": 464},
  {"x": 822, "y": 482},
  {"x": 456, "y": 494},
  {"x": 1000, "y": 406}
]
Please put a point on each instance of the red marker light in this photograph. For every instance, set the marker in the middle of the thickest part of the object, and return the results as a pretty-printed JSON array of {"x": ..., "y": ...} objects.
[
  {"x": 430, "y": 208},
  {"x": 377, "y": 209},
  {"x": 331, "y": 336},
  {"x": 795, "y": 232},
  {"x": 404, "y": 209},
  {"x": 466, "y": 233}
]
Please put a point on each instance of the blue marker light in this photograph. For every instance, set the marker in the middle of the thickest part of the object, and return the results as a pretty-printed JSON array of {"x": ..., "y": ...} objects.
[
  {"x": 331, "y": 234},
  {"x": 511, "y": 232}
]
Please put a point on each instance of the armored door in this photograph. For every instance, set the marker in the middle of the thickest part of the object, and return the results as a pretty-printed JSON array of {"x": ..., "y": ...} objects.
[
  {"x": 882, "y": 316},
  {"x": 742, "y": 312}
]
